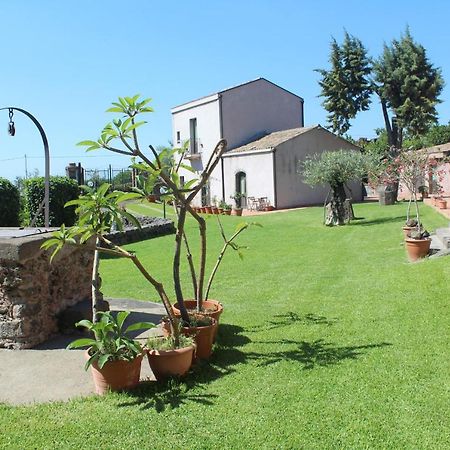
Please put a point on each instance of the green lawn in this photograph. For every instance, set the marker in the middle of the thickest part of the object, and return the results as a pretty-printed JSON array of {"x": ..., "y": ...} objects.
[{"x": 329, "y": 339}]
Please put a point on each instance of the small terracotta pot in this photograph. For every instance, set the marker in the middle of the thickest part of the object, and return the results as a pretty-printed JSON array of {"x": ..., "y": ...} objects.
[
  {"x": 236, "y": 212},
  {"x": 208, "y": 210},
  {"x": 151, "y": 198},
  {"x": 407, "y": 230},
  {"x": 219, "y": 210},
  {"x": 442, "y": 204},
  {"x": 227, "y": 212},
  {"x": 169, "y": 363},
  {"x": 211, "y": 308},
  {"x": 214, "y": 210},
  {"x": 417, "y": 248},
  {"x": 115, "y": 375},
  {"x": 203, "y": 336}
]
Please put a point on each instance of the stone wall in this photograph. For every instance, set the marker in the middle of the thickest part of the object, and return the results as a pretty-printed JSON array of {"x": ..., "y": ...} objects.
[{"x": 33, "y": 292}]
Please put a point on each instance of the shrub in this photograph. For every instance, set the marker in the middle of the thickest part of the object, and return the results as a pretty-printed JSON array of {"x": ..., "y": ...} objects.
[
  {"x": 9, "y": 204},
  {"x": 62, "y": 190}
]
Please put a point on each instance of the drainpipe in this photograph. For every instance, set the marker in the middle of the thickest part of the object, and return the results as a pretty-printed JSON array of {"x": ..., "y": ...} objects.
[
  {"x": 303, "y": 113},
  {"x": 274, "y": 166}
]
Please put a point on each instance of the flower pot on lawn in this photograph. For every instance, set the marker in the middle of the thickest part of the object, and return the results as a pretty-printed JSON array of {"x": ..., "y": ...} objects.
[
  {"x": 169, "y": 363},
  {"x": 442, "y": 204},
  {"x": 236, "y": 212},
  {"x": 407, "y": 230},
  {"x": 211, "y": 308},
  {"x": 208, "y": 210},
  {"x": 417, "y": 248},
  {"x": 227, "y": 212},
  {"x": 115, "y": 375},
  {"x": 203, "y": 336}
]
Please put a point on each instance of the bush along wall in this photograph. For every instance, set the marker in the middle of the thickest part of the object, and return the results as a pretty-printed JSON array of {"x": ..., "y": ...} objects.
[
  {"x": 62, "y": 190},
  {"x": 9, "y": 204}
]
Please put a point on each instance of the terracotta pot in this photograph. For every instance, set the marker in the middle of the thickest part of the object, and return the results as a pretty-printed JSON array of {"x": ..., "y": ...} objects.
[
  {"x": 211, "y": 308},
  {"x": 214, "y": 210},
  {"x": 407, "y": 230},
  {"x": 169, "y": 363},
  {"x": 115, "y": 375},
  {"x": 219, "y": 210},
  {"x": 417, "y": 248},
  {"x": 227, "y": 212},
  {"x": 151, "y": 198},
  {"x": 237, "y": 212},
  {"x": 442, "y": 204},
  {"x": 208, "y": 210},
  {"x": 203, "y": 336}
]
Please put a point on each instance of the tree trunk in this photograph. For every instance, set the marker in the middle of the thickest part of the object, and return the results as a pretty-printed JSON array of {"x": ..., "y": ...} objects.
[{"x": 337, "y": 213}]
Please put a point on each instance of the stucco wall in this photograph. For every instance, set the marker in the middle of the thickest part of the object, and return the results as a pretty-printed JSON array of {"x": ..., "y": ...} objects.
[
  {"x": 208, "y": 131},
  {"x": 259, "y": 175},
  {"x": 291, "y": 191},
  {"x": 256, "y": 108}
]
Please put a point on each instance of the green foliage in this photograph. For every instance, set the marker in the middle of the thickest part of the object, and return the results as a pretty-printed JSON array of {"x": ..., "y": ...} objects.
[
  {"x": 409, "y": 84},
  {"x": 62, "y": 190},
  {"x": 335, "y": 167},
  {"x": 111, "y": 342},
  {"x": 9, "y": 204},
  {"x": 346, "y": 86}
]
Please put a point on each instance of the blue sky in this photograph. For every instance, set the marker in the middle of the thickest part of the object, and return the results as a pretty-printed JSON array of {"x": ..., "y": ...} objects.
[{"x": 66, "y": 61}]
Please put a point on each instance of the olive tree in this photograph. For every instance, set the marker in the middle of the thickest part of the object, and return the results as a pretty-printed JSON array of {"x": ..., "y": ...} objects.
[{"x": 335, "y": 169}]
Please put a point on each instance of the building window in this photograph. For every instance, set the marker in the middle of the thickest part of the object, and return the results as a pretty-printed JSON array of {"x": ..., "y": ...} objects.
[
  {"x": 193, "y": 138},
  {"x": 178, "y": 137}
]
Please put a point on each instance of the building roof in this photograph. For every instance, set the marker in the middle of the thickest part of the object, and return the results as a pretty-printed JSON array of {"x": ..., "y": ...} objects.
[
  {"x": 235, "y": 87},
  {"x": 272, "y": 140}
]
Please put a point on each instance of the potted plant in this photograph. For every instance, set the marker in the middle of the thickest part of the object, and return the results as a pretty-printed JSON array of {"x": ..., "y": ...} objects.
[
  {"x": 410, "y": 224},
  {"x": 120, "y": 136},
  {"x": 113, "y": 356},
  {"x": 423, "y": 190},
  {"x": 167, "y": 358},
  {"x": 418, "y": 244},
  {"x": 237, "y": 209},
  {"x": 214, "y": 208},
  {"x": 441, "y": 203}
]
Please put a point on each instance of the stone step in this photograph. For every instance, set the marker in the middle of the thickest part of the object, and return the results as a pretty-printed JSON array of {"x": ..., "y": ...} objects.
[{"x": 443, "y": 235}]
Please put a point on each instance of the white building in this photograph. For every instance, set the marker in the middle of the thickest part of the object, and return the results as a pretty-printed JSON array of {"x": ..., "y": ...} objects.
[{"x": 264, "y": 127}]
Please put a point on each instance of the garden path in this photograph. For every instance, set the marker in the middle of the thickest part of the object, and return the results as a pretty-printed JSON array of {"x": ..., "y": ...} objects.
[{"x": 49, "y": 372}]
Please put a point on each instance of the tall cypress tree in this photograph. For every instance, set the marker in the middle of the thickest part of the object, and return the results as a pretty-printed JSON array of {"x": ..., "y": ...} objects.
[
  {"x": 409, "y": 87},
  {"x": 346, "y": 86}
]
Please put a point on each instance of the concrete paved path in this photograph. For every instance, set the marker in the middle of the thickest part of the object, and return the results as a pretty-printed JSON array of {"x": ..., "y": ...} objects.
[{"x": 49, "y": 372}]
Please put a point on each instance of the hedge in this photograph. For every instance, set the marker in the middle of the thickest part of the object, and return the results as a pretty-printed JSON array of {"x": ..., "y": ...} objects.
[
  {"x": 62, "y": 190},
  {"x": 9, "y": 204}
]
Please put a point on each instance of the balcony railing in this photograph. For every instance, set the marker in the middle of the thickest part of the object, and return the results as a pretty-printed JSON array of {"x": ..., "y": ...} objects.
[{"x": 194, "y": 149}]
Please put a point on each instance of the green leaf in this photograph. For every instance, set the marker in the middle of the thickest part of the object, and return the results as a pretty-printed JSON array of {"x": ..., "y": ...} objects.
[
  {"x": 121, "y": 317},
  {"x": 114, "y": 109},
  {"x": 103, "y": 359},
  {"x": 140, "y": 326},
  {"x": 83, "y": 342},
  {"x": 84, "y": 323}
]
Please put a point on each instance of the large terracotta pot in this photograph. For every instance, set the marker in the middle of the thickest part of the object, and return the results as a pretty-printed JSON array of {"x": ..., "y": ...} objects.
[
  {"x": 442, "y": 204},
  {"x": 236, "y": 212},
  {"x": 115, "y": 375},
  {"x": 208, "y": 210},
  {"x": 169, "y": 363},
  {"x": 227, "y": 212},
  {"x": 219, "y": 210},
  {"x": 417, "y": 248},
  {"x": 203, "y": 336},
  {"x": 214, "y": 210},
  {"x": 211, "y": 308}
]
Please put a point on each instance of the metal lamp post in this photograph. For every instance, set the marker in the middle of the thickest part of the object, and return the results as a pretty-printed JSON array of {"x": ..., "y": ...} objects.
[{"x": 12, "y": 131}]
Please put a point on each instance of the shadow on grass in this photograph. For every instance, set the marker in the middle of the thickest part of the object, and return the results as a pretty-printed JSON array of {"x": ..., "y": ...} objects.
[
  {"x": 378, "y": 221},
  {"x": 312, "y": 354},
  {"x": 291, "y": 318},
  {"x": 174, "y": 392}
]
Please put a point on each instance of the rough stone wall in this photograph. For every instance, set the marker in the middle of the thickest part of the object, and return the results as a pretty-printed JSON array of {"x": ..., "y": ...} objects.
[{"x": 33, "y": 292}]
